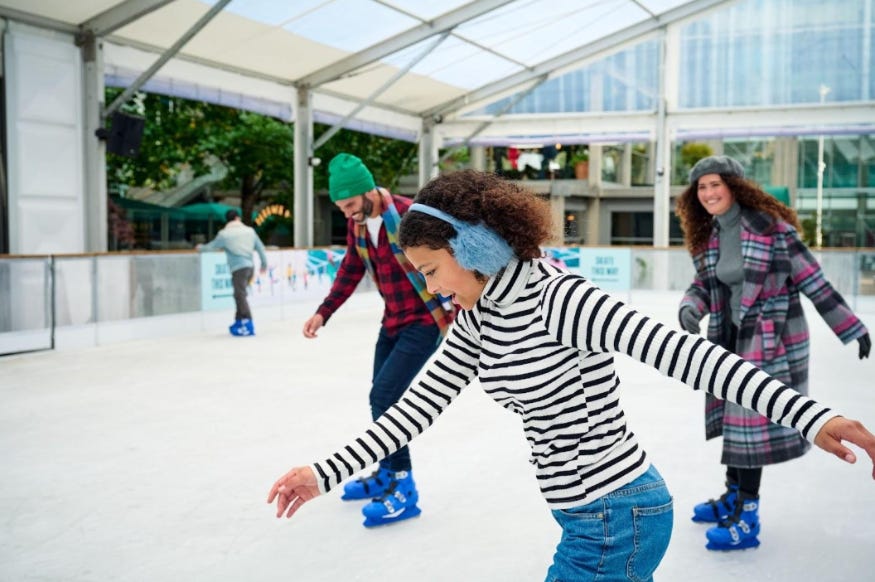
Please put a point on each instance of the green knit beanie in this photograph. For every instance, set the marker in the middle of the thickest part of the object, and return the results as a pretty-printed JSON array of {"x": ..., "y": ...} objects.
[{"x": 348, "y": 177}]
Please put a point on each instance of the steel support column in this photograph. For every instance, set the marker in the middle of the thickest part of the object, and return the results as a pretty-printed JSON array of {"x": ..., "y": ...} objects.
[
  {"x": 94, "y": 149},
  {"x": 304, "y": 196}
]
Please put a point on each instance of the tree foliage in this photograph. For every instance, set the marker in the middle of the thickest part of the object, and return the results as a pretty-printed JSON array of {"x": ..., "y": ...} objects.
[
  {"x": 182, "y": 135},
  {"x": 258, "y": 152},
  {"x": 388, "y": 159}
]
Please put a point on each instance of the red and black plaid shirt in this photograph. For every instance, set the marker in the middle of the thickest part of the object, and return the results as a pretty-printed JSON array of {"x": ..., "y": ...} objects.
[{"x": 403, "y": 305}]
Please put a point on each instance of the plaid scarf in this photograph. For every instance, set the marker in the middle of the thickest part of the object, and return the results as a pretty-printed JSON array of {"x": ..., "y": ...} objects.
[{"x": 441, "y": 310}]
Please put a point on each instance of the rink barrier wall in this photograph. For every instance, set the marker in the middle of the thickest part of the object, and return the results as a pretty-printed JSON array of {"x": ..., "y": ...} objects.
[{"x": 80, "y": 300}]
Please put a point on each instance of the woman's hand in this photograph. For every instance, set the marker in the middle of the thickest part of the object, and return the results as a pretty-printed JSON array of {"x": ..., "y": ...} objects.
[
  {"x": 294, "y": 489},
  {"x": 841, "y": 429},
  {"x": 865, "y": 345},
  {"x": 689, "y": 320}
]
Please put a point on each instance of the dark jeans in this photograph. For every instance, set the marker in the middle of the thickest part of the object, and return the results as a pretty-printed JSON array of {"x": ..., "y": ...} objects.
[
  {"x": 240, "y": 279},
  {"x": 397, "y": 360}
]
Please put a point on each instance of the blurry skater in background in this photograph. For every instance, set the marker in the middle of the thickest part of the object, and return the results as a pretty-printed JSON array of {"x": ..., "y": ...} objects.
[
  {"x": 541, "y": 341},
  {"x": 750, "y": 268},
  {"x": 413, "y": 323},
  {"x": 239, "y": 242}
]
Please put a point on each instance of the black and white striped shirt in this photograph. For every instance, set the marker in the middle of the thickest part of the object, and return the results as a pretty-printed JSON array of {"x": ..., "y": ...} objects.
[{"x": 541, "y": 341}]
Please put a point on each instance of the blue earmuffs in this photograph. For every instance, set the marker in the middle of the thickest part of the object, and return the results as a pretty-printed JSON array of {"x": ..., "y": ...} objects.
[{"x": 476, "y": 247}]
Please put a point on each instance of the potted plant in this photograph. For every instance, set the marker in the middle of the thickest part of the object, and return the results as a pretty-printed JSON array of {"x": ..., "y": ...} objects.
[
  {"x": 692, "y": 152},
  {"x": 580, "y": 162}
]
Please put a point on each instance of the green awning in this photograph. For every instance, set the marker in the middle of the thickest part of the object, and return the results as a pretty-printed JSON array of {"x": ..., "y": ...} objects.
[
  {"x": 144, "y": 209},
  {"x": 782, "y": 193},
  {"x": 207, "y": 211}
]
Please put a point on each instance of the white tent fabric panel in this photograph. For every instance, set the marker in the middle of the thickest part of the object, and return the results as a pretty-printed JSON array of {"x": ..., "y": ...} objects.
[
  {"x": 198, "y": 81},
  {"x": 285, "y": 42},
  {"x": 61, "y": 11},
  {"x": 44, "y": 142},
  {"x": 122, "y": 64}
]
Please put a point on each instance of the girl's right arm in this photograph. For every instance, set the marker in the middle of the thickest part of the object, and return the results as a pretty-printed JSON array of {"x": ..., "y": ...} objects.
[{"x": 441, "y": 380}]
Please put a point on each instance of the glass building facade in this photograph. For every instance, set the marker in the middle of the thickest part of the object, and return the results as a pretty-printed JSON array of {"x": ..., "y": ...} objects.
[{"x": 751, "y": 54}]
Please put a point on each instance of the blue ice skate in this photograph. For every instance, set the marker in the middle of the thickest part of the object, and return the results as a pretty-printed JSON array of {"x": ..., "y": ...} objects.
[
  {"x": 242, "y": 328},
  {"x": 374, "y": 485},
  {"x": 396, "y": 504},
  {"x": 740, "y": 530},
  {"x": 716, "y": 510}
]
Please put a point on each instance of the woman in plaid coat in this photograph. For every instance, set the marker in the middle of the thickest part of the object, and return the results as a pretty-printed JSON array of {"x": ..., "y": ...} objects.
[{"x": 750, "y": 267}]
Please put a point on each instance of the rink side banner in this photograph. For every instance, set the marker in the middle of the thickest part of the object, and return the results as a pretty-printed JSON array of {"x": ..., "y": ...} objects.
[
  {"x": 608, "y": 268},
  {"x": 217, "y": 292},
  {"x": 563, "y": 257},
  {"x": 296, "y": 274},
  {"x": 291, "y": 276}
]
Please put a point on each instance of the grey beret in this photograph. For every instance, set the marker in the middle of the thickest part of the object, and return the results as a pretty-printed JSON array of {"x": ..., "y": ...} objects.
[{"x": 716, "y": 165}]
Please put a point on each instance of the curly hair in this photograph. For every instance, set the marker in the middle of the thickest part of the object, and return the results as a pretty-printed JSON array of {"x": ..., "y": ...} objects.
[
  {"x": 697, "y": 223},
  {"x": 520, "y": 217}
]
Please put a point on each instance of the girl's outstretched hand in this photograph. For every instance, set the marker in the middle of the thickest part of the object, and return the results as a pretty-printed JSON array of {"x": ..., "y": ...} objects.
[
  {"x": 841, "y": 429},
  {"x": 294, "y": 489}
]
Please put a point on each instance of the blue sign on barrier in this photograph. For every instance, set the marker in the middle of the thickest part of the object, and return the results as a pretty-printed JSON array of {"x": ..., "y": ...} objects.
[
  {"x": 217, "y": 291},
  {"x": 608, "y": 268}
]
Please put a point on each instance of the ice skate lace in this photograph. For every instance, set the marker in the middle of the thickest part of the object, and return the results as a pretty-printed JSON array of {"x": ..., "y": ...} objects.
[
  {"x": 373, "y": 478},
  {"x": 723, "y": 501}
]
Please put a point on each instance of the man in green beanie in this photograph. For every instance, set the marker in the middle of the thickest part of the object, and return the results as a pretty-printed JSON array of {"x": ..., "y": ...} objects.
[{"x": 413, "y": 322}]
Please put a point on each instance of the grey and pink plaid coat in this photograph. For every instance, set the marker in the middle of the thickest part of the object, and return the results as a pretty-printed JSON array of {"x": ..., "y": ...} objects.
[{"x": 773, "y": 333}]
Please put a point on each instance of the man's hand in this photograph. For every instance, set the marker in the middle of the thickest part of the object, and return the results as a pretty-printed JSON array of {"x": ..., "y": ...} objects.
[
  {"x": 312, "y": 325},
  {"x": 841, "y": 429},
  {"x": 292, "y": 490}
]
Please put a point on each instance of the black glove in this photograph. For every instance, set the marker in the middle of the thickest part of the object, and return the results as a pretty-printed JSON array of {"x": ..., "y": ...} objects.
[
  {"x": 689, "y": 320},
  {"x": 865, "y": 345}
]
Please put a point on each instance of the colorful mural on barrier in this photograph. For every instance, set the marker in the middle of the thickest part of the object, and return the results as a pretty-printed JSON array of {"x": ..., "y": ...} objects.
[
  {"x": 563, "y": 257},
  {"x": 291, "y": 275},
  {"x": 308, "y": 274}
]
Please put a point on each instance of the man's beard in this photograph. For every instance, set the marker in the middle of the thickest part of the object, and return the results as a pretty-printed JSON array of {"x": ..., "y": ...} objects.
[{"x": 365, "y": 212}]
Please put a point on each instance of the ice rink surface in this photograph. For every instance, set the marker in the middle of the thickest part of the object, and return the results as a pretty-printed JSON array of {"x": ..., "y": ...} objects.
[{"x": 151, "y": 461}]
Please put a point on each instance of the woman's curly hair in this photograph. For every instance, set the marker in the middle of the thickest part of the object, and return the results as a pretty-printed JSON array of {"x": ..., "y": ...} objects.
[
  {"x": 697, "y": 223},
  {"x": 520, "y": 217}
]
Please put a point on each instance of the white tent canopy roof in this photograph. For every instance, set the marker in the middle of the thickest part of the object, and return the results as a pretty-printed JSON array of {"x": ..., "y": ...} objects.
[{"x": 255, "y": 53}]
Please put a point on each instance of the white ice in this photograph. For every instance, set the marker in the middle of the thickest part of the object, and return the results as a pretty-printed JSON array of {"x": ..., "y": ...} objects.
[{"x": 151, "y": 461}]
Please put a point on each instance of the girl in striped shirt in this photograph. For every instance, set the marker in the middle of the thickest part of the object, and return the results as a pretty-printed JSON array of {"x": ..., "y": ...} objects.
[{"x": 541, "y": 341}]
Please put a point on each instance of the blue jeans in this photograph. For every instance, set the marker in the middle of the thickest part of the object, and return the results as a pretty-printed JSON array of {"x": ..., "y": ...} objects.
[
  {"x": 617, "y": 538},
  {"x": 397, "y": 360}
]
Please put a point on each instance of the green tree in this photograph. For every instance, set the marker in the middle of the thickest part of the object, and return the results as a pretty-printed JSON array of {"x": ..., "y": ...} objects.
[
  {"x": 388, "y": 159},
  {"x": 180, "y": 134},
  {"x": 689, "y": 154},
  {"x": 258, "y": 151},
  {"x": 170, "y": 143}
]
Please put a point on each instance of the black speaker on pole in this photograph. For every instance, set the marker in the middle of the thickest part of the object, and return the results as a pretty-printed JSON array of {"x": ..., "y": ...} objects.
[{"x": 125, "y": 134}]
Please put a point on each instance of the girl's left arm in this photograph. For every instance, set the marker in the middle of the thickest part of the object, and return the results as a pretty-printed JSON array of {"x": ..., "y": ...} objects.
[
  {"x": 808, "y": 276},
  {"x": 580, "y": 315}
]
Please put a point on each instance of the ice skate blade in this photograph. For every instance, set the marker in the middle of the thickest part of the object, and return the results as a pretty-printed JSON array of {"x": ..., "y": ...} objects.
[
  {"x": 743, "y": 545},
  {"x": 407, "y": 513},
  {"x": 346, "y": 497}
]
